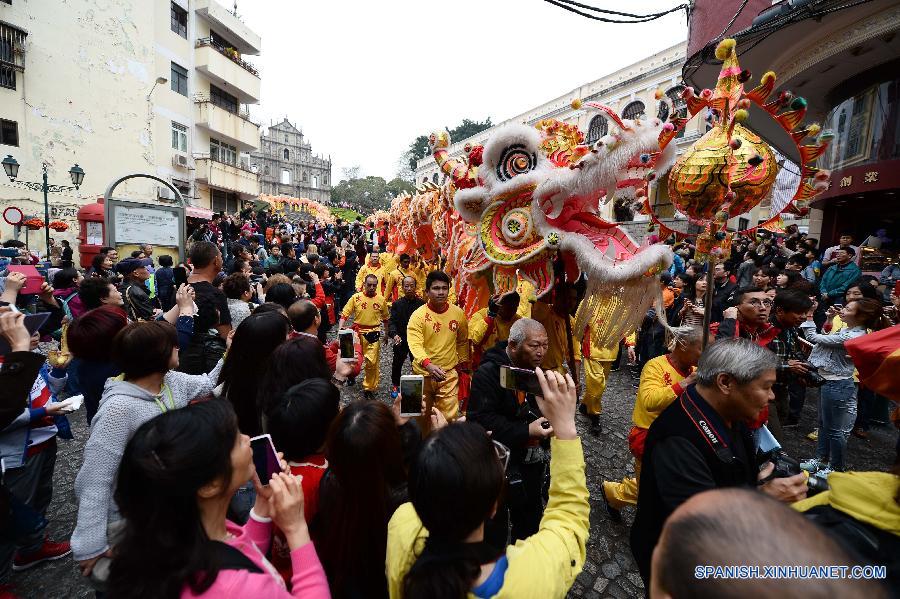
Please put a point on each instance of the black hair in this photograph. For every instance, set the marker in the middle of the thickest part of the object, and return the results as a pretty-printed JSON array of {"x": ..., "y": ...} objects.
[
  {"x": 136, "y": 253},
  {"x": 65, "y": 278},
  {"x": 283, "y": 294},
  {"x": 741, "y": 292},
  {"x": 792, "y": 300},
  {"x": 255, "y": 339},
  {"x": 436, "y": 275},
  {"x": 849, "y": 249},
  {"x": 165, "y": 260},
  {"x": 459, "y": 456},
  {"x": 270, "y": 307},
  {"x": 203, "y": 253},
  {"x": 92, "y": 291},
  {"x": 97, "y": 261},
  {"x": 237, "y": 266},
  {"x": 302, "y": 315},
  {"x": 144, "y": 348},
  {"x": 799, "y": 259},
  {"x": 865, "y": 288},
  {"x": 167, "y": 461},
  {"x": 292, "y": 362},
  {"x": 235, "y": 285},
  {"x": 300, "y": 418}
]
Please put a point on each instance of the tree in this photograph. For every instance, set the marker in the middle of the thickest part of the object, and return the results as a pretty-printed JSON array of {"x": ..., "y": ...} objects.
[
  {"x": 370, "y": 193},
  {"x": 418, "y": 149}
]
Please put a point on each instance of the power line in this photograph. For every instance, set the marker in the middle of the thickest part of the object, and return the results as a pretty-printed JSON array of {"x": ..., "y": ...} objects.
[{"x": 572, "y": 6}]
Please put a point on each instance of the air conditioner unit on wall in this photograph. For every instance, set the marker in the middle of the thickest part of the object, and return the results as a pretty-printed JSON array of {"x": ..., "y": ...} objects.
[
  {"x": 164, "y": 193},
  {"x": 180, "y": 160}
]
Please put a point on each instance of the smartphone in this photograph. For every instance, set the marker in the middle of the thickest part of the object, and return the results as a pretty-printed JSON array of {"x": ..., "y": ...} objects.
[
  {"x": 264, "y": 458},
  {"x": 180, "y": 275},
  {"x": 345, "y": 341},
  {"x": 412, "y": 387},
  {"x": 33, "y": 279},
  {"x": 519, "y": 379},
  {"x": 837, "y": 306},
  {"x": 32, "y": 323}
]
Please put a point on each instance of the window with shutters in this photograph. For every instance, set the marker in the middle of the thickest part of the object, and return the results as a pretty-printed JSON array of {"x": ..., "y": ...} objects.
[
  {"x": 179, "y": 79},
  {"x": 633, "y": 110},
  {"x": 597, "y": 129},
  {"x": 179, "y": 20},
  {"x": 9, "y": 133}
]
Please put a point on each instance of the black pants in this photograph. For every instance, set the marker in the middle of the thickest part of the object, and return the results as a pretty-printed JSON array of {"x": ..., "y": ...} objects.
[
  {"x": 401, "y": 351},
  {"x": 525, "y": 501},
  {"x": 797, "y": 393}
]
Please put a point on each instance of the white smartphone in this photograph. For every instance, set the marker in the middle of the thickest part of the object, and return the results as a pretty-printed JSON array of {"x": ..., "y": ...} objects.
[
  {"x": 412, "y": 388},
  {"x": 265, "y": 459},
  {"x": 345, "y": 342}
]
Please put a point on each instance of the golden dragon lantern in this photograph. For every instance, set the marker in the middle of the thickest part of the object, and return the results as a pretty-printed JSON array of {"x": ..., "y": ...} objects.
[{"x": 731, "y": 169}]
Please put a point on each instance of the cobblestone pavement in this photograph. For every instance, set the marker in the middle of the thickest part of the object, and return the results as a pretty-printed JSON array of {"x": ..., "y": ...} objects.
[{"x": 609, "y": 571}]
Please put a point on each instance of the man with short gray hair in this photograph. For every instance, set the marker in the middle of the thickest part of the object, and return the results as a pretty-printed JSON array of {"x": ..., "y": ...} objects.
[
  {"x": 515, "y": 420},
  {"x": 701, "y": 441}
]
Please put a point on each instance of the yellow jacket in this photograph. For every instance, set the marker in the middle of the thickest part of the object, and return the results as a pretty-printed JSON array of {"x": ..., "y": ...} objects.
[
  {"x": 866, "y": 496},
  {"x": 367, "y": 312},
  {"x": 366, "y": 270},
  {"x": 485, "y": 334},
  {"x": 394, "y": 282},
  {"x": 439, "y": 337},
  {"x": 558, "y": 345},
  {"x": 526, "y": 297},
  {"x": 659, "y": 386},
  {"x": 545, "y": 564}
]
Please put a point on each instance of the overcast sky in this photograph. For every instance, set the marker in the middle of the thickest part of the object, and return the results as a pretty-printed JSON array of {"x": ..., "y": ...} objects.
[{"x": 362, "y": 79}]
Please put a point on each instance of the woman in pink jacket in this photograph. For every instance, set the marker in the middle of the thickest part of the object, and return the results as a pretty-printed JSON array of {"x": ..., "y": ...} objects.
[{"x": 176, "y": 479}]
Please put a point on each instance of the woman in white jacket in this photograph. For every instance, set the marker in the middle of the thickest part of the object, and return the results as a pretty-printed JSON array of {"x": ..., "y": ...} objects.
[{"x": 147, "y": 353}]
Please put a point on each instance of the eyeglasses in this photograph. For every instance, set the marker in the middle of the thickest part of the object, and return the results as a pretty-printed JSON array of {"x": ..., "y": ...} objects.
[
  {"x": 760, "y": 303},
  {"x": 502, "y": 453}
]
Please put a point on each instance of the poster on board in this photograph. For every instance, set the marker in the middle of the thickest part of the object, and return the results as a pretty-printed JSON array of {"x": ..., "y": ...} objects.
[
  {"x": 137, "y": 223},
  {"x": 145, "y": 225}
]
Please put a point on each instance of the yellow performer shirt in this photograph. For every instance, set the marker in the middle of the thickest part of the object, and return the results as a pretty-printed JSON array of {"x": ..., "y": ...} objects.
[
  {"x": 558, "y": 344},
  {"x": 394, "y": 284},
  {"x": 367, "y": 270},
  {"x": 526, "y": 297},
  {"x": 658, "y": 388},
  {"x": 441, "y": 338},
  {"x": 485, "y": 335},
  {"x": 367, "y": 312}
]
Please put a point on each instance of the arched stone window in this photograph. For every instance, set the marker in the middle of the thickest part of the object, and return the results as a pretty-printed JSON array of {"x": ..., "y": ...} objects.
[
  {"x": 633, "y": 110},
  {"x": 597, "y": 129},
  {"x": 434, "y": 178},
  {"x": 674, "y": 94},
  {"x": 287, "y": 154}
]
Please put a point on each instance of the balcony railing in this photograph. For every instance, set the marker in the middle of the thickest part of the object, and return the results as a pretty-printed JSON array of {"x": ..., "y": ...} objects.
[
  {"x": 230, "y": 53},
  {"x": 242, "y": 113},
  {"x": 241, "y": 165}
]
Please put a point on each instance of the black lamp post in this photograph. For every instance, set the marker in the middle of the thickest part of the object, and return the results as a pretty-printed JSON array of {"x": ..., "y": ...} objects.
[{"x": 12, "y": 171}]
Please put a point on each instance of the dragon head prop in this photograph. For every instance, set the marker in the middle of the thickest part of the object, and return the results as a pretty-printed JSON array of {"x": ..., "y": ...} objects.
[{"x": 533, "y": 194}]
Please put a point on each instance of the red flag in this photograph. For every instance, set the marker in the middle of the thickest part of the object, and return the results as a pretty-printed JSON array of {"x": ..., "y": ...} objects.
[{"x": 877, "y": 358}]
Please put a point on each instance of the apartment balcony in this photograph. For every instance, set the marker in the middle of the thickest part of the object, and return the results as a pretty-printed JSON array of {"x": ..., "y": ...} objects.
[
  {"x": 245, "y": 40},
  {"x": 227, "y": 70},
  {"x": 235, "y": 129},
  {"x": 230, "y": 177}
]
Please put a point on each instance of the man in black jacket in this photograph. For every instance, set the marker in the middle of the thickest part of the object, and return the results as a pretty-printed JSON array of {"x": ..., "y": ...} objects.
[
  {"x": 401, "y": 310},
  {"x": 722, "y": 290},
  {"x": 515, "y": 420},
  {"x": 701, "y": 441},
  {"x": 134, "y": 288}
]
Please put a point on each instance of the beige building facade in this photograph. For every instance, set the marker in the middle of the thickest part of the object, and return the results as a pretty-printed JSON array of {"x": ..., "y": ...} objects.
[{"x": 159, "y": 87}]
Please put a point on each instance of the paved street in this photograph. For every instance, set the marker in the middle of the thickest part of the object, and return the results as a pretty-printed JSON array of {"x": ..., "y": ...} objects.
[{"x": 610, "y": 570}]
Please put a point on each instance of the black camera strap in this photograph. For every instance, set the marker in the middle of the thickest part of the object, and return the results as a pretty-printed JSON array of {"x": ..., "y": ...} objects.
[{"x": 706, "y": 428}]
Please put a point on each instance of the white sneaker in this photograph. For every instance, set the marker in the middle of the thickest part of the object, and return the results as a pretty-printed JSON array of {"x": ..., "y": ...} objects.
[
  {"x": 824, "y": 472},
  {"x": 812, "y": 465}
]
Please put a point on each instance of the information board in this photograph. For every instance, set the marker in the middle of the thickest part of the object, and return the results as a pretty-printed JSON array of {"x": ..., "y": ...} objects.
[{"x": 146, "y": 225}]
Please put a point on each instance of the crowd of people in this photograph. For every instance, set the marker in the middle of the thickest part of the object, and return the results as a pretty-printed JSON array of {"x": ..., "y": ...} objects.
[{"x": 180, "y": 364}]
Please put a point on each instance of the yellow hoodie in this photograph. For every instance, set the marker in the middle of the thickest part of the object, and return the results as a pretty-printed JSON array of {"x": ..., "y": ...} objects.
[
  {"x": 543, "y": 565},
  {"x": 868, "y": 497}
]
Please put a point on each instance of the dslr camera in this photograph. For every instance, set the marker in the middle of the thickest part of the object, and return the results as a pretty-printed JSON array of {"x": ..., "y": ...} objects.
[{"x": 769, "y": 450}]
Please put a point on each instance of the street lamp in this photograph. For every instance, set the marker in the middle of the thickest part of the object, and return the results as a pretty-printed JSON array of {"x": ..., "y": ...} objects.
[{"x": 76, "y": 173}]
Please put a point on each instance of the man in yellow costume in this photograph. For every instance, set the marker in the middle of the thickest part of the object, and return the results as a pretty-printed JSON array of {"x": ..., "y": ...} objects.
[
  {"x": 491, "y": 324},
  {"x": 663, "y": 379},
  {"x": 395, "y": 276},
  {"x": 596, "y": 363},
  {"x": 438, "y": 337},
  {"x": 375, "y": 268},
  {"x": 553, "y": 317},
  {"x": 369, "y": 312}
]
